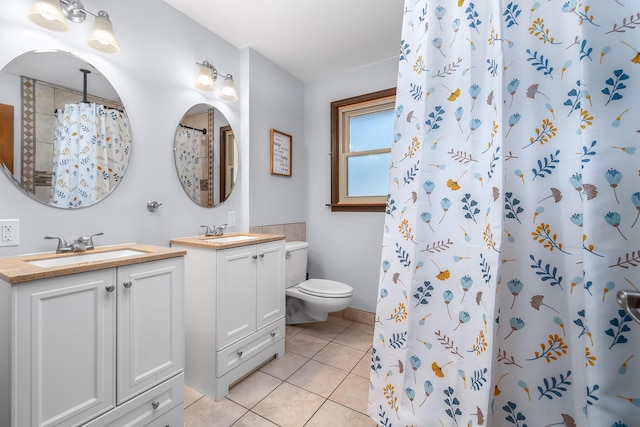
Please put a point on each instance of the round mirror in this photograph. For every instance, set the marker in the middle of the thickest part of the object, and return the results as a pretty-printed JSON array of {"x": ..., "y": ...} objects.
[
  {"x": 65, "y": 138},
  {"x": 206, "y": 155}
]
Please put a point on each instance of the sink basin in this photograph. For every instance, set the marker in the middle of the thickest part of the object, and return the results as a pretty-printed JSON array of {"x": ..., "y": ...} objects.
[
  {"x": 231, "y": 239},
  {"x": 84, "y": 257}
]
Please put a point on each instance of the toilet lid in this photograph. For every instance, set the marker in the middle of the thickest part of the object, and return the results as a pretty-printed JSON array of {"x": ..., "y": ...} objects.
[{"x": 325, "y": 288}]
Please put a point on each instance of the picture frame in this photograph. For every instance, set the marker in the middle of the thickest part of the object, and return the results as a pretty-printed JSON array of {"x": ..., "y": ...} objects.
[{"x": 281, "y": 150}]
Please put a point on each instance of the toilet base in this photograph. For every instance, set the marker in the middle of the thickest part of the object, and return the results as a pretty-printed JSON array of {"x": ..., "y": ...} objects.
[{"x": 299, "y": 312}]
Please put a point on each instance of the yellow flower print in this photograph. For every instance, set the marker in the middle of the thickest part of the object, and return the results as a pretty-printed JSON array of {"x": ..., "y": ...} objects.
[
  {"x": 453, "y": 185},
  {"x": 443, "y": 274},
  {"x": 591, "y": 359},
  {"x": 438, "y": 369},
  {"x": 453, "y": 94}
]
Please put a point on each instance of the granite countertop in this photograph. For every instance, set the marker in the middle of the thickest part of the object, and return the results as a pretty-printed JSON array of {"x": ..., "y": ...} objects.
[
  {"x": 222, "y": 242},
  {"x": 19, "y": 269}
]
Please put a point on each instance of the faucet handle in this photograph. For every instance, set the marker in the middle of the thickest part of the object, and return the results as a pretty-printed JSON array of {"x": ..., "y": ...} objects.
[
  {"x": 209, "y": 230},
  {"x": 88, "y": 241},
  {"x": 62, "y": 244}
]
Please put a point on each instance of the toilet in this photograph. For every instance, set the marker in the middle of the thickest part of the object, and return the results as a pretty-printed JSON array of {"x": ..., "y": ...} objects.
[{"x": 310, "y": 300}]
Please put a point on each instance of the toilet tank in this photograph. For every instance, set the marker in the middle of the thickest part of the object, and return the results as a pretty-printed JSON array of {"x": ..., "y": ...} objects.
[{"x": 295, "y": 262}]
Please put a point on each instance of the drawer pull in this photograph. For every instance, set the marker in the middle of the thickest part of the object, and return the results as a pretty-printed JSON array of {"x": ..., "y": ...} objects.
[
  {"x": 261, "y": 255},
  {"x": 273, "y": 334},
  {"x": 127, "y": 284},
  {"x": 255, "y": 257},
  {"x": 110, "y": 288},
  {"x": 155, "y": 404},
  {"x": 239, "y": 353}
]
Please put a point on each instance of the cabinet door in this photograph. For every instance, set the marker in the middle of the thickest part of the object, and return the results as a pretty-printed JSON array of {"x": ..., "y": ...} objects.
[
  {"x": 235, "y": 295},
  {"x": 271, "y": 283},
  {"x": 149, "y": 323},
  {"x": 64, "y": 349}
]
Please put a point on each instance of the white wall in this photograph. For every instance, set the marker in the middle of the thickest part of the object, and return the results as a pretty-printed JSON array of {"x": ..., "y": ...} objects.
[
  {"x": 154, "y": 74},
  {"x": 343, "y": 246}
]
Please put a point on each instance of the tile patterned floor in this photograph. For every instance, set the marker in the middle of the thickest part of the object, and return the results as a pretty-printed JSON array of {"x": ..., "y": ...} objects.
[{"x": 322, "y": 380}]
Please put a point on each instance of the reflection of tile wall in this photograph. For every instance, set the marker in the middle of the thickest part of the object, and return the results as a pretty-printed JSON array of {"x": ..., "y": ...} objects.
[{"x": 295, "y": 231}]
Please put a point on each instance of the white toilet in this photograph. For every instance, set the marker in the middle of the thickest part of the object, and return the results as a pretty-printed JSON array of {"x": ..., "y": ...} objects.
[{"x": 313, "y": 299}]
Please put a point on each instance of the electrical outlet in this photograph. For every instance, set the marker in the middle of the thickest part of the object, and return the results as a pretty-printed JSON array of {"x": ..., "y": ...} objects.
[{"x": 9, "y": 232}]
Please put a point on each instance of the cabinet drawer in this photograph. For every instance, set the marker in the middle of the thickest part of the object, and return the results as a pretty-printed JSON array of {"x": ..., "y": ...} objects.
[
  {"x": 173, "y": 418},
  {"x": 146, "y": 407},
  {"x": 245, "y": 349}
]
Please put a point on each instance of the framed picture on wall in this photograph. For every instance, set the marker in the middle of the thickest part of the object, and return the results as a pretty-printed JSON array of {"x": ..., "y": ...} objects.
[{"x": 281, "y": 145}]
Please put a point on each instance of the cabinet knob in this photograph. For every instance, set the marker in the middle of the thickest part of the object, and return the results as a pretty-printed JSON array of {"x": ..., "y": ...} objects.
[
  {"x": 155, "y": 404},
  {"x": 110, "y": 288},
  {"x": 127, "y": 284},
  {"x": 261, "y": 255},
  {"x": 273, "y": 334},
  {"x": 255, "y": 257},
  {"x": 239, "y": 354}
]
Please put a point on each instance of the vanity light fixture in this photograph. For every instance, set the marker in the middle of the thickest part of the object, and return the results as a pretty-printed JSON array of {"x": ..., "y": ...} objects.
[
  {"x": 208, "y": 75},
  {"x": 51, "y": 14}
]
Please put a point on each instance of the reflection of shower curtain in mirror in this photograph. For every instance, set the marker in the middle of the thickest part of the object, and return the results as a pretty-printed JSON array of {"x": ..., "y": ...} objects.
[
  {"x": 187, "y": 153},
  {"x": 91, "y": 151}
]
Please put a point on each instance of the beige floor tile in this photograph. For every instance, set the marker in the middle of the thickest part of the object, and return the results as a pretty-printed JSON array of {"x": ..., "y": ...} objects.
[
  {"x": 318, "y": 378},
  {"x": 340, "y": 321},
  {"x": 363, "y": 368},
  {"x": 284, "y": 366},
  {"x": 339, "y": 356},
  {"x": 352, "y": 393},
  {"x": 253, "y": 389},
  {"x": 209, "y": 413},
  {"x": 292, "y": 330},
  {"x": 305, "y": 345},
  {"x": 289, "y": 406},
  {"x": 362, "y": 327},
  {"x": 356, "y": 339},
  {"x": 190, "y": 395},
  {"x": 325, "y": 330},
  {"x": 253, "y": 420},
  {"x": 334, "y": 415}
]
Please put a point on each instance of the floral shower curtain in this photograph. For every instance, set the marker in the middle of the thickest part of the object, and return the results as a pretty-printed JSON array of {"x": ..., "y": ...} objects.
[
  {"x": 512, "y": 218},
  {"x": 91, "y": 149},
  {"x": 187, "y": 155}
]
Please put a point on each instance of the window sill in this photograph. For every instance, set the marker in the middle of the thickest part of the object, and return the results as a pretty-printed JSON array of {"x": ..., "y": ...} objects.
[{"x": 356, "y": 207}]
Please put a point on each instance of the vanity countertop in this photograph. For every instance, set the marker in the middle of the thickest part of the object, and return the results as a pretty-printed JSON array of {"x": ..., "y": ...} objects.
[
  {"x": 18, "y": 269},
  {"x": 226, "y": 241}
]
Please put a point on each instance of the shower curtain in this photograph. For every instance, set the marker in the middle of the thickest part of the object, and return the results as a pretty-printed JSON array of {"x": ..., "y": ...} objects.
[
  {"x": 512, "y": 218},
  {"x": 187, "y": 155},
  {"x": 91, "y": 149}
]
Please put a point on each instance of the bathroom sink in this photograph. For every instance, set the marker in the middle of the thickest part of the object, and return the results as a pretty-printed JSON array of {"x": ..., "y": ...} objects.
[
  {"x": 232, "y": 239},
  {"x": 81, "y": 257}
]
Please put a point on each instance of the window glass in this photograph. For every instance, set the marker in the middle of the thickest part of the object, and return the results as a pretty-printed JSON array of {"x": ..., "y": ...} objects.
[
  {"x": 371, "y": 131},
  {"x": 368, "y": 175}
]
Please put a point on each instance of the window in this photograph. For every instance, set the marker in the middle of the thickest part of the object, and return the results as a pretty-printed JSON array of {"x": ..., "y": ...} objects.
[{"x": 361, "y": 136}]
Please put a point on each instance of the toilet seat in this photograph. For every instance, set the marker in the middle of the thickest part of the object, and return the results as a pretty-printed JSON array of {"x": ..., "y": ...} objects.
[{"x": 325, "y": 288}]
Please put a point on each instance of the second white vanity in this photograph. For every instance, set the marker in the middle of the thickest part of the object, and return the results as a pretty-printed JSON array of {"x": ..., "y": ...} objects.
[
  {"x": 234, "y": 307},
  {"x": 93, "y": 338}
]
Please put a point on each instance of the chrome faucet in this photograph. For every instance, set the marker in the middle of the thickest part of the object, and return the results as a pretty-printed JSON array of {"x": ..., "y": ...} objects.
[
  {"x": 213, "y": 230},
  {"x": 82, "y": 243}
]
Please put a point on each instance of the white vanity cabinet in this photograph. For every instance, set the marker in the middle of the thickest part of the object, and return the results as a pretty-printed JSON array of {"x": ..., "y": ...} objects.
[
  {"x": 97, "y": 348},
  {"x": 234, "y": 312}
]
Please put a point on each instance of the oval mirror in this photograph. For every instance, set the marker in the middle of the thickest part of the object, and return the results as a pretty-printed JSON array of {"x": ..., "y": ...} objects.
[
  {"x": 206, "y": 155},
  {"x": 65, "y": 138}
]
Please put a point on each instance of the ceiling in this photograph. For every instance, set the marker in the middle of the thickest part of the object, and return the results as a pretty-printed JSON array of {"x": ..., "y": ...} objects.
[{"x": 309, "y": 39}]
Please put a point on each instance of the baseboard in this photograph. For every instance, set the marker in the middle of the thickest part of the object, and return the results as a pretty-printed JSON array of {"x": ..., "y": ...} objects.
[{"x": 354, "y": 315}]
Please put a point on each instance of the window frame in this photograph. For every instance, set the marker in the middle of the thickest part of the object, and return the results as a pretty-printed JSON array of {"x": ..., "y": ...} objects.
[{"x": 339, "y": 201}]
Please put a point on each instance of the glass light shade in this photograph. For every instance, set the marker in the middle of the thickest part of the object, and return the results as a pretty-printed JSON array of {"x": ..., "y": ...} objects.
[
  {"x": 205, "y": 79},
  {"x": 102, "y": 38},
  {"x": 228, "y": 92},
  {"x": 48, "y": 14}
]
